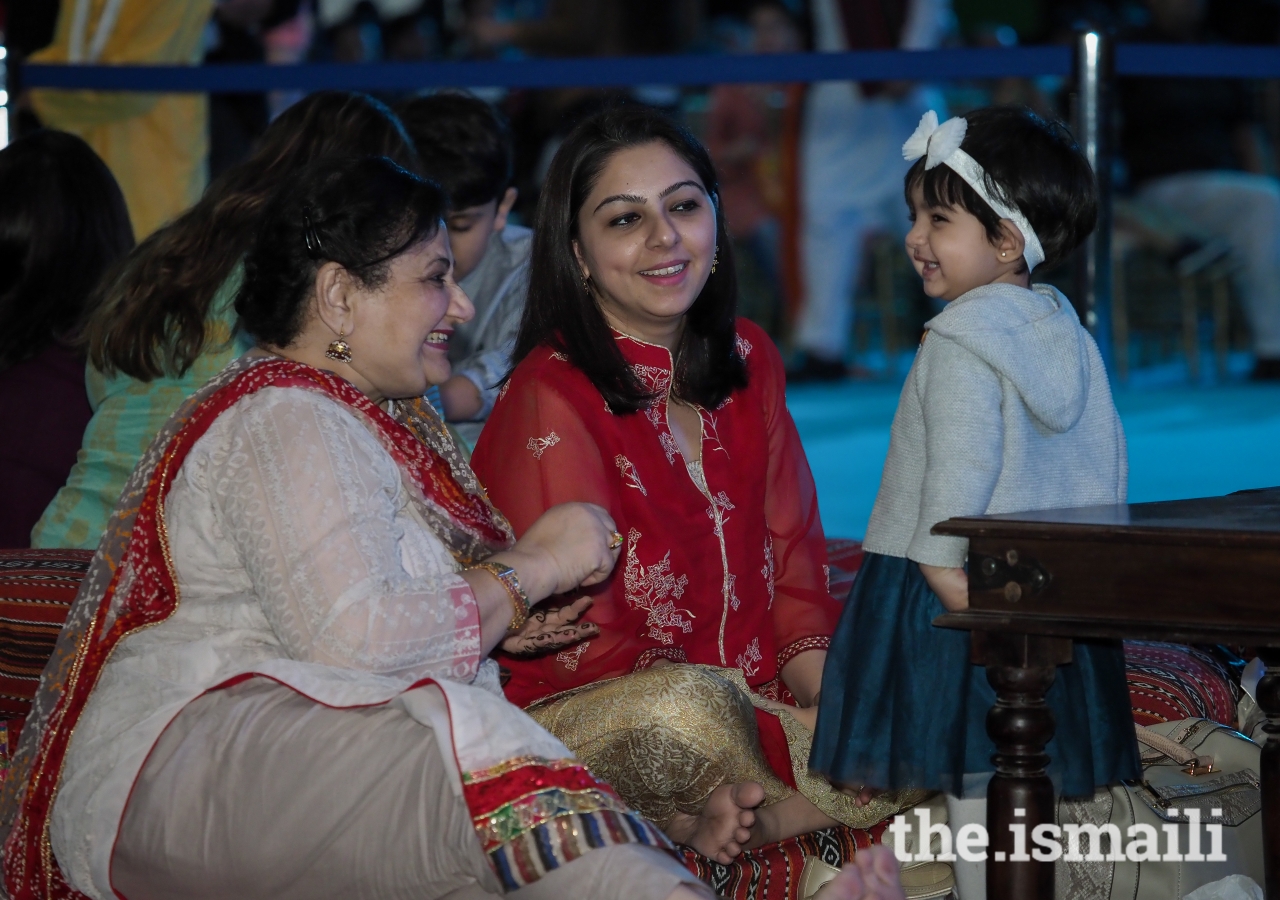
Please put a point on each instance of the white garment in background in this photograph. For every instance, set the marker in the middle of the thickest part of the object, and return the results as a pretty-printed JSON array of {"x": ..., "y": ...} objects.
[
  {"x": 299, "y": 555},
  {"x": 480, "y": 349},
  {"x": 851, "y": 174},
  {"x": 1244, "y": 210},
  {"x": 335, "y": 12}
]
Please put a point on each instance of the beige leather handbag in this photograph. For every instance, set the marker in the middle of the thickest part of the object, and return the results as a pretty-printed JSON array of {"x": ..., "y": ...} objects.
[{"x": 1191, "y": 764}]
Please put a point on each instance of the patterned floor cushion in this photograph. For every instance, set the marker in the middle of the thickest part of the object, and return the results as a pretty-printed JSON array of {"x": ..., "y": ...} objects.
[
  {"x": 773, "y": 872},
  {"x": 1169, "y": 682},
  {"x": 37, "y": 588}
]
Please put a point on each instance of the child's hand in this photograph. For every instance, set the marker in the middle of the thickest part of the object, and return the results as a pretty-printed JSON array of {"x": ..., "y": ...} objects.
[{"x": 950, "y": 584}]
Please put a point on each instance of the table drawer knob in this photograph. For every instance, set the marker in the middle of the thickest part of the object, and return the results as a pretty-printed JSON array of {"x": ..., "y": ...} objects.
[{"x": 1015, "y": 577}]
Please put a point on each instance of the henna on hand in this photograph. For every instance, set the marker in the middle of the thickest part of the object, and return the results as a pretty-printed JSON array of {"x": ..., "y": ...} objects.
[{"x": 547, "y": 631}]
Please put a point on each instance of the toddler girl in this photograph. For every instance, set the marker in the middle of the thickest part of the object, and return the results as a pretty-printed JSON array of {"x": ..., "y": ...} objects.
[{"x": 1006, "y": 408}]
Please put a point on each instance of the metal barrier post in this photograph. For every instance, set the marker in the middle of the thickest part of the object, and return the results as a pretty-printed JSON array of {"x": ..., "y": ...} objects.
[
  {"x": 4, "y": 93},
  {"x": 1095, "y": 76}
]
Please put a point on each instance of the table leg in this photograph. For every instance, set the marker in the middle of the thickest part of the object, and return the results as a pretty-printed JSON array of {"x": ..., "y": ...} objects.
[
  {"x": 1021, "y": 668},
  {"x": 1269, "y": 701}
]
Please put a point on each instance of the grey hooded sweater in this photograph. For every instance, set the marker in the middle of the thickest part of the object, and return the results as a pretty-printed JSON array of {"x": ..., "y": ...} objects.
[{"x": 1007, "y": 408}]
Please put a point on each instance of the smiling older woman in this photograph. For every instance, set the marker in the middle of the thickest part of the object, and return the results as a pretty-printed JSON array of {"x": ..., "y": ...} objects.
[
  {"x": 637, "y": 390},
  {"x": 274, "y": 682}
]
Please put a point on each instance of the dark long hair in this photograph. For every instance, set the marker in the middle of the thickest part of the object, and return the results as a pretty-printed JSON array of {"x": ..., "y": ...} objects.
[
  {"x": 153, "y": 320},
  {"x": 359, "y": 213},
  {"x": 560, "y": 314},
  {"x": 63, "y": 223}
]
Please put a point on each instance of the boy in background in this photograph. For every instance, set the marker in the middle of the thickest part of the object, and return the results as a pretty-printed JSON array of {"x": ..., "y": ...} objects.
[{"x": 466, "y": 146}]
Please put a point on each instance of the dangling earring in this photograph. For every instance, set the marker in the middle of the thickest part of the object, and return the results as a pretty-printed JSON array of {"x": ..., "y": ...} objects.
[
  {"x": 339, "y": 349},
  {"x": 586, "y": 284},
  {"x": 715, "y": 259}
]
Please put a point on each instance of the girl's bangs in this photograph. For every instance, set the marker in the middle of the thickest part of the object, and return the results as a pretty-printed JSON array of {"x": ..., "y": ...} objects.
[{"x": 941, "y": 187}]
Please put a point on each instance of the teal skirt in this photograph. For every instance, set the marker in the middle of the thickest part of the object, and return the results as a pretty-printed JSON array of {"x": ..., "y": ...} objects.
[{"x": 902, "y": 706}]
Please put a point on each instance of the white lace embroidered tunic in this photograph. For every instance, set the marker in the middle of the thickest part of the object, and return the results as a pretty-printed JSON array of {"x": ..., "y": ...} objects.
[{"x": 300, "y": 556}]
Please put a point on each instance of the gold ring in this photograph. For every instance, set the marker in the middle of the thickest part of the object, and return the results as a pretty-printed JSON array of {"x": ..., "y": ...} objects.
[{"x": 615, "y": 540}]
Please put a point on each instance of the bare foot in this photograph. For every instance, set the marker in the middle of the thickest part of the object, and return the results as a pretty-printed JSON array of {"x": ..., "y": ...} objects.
[
  {"x": 723, "y": 827},
  {"x": 873, "y": 875}
]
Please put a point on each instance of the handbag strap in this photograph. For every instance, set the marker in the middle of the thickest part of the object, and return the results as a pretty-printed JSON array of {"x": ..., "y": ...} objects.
[{"x": 1172, "y": 749}]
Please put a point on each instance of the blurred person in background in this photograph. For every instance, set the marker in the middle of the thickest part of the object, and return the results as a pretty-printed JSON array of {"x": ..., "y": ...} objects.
[
  {"x": 238, "y": 35},
  {"x": 1012, "y": 90},
  {"x": 1194, "y": 148},
  {"x": 743, "y": 135},
  {"x": 588, "y": 28},
  {"x": 369, "y": 30},
  {"x": 465, "y": 146},
  {"x": 852, "y": 166},
  {"x": 63, "y": 224},
  {"x": 569, "y": 28},
  {"x": 166, "y": 324},
  {"x": 156, "y": 145}
]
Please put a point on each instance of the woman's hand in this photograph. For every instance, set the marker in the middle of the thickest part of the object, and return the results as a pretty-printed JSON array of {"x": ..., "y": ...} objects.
[
  {"x": 569, "y": 546},
  {"x": 566, "y": 548},
  {"x": 950, "y": 584},
  {"x": 549, "y": 630}
]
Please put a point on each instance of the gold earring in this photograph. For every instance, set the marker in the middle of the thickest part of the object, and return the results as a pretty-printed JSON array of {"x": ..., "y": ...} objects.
[
  {"x": 586, "y": 283},
  {"x": 339, "y": 349},
  {"x": 715, "y": 259}
]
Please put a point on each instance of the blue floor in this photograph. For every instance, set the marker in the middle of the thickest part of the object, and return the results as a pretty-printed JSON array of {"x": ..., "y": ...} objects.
[{"x": 1183, "y": 442}]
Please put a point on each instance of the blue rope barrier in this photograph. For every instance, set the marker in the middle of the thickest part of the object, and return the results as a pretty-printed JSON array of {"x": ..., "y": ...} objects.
[
  {"x": 875, "y": 65},
  {"x": 545, "y": 73},
  {"x": 1164, "y": 60}
]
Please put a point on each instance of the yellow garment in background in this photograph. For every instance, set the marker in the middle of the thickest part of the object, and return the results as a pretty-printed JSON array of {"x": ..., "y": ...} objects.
[{"x": 156, "y": 145}]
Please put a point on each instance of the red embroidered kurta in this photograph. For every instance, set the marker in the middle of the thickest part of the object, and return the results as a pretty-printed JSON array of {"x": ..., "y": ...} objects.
[{"x": 724, "y": 562}]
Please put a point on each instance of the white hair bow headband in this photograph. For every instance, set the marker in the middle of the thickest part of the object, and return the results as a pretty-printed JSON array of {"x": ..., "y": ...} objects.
[{"x": 940, "y": 145}]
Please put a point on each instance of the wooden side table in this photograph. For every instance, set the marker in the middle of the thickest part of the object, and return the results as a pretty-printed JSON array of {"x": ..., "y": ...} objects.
[{"x": 1191, "y": 571}]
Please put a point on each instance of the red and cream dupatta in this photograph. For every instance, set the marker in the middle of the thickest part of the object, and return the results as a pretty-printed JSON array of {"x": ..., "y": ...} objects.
[{"x": 534, "y": 808}]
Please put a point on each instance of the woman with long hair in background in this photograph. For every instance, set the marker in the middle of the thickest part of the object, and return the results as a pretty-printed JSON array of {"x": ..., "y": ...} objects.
[{"x": 166, "y": 324}]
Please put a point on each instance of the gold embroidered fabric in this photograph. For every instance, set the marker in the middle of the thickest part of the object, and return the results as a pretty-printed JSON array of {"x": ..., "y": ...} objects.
[
  {"x": 835, "y": 804},
  {"x": 666, "y": 737}
]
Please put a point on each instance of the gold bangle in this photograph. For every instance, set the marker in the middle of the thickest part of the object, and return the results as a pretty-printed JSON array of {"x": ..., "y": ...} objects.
[{"x": 519, "y": 599}]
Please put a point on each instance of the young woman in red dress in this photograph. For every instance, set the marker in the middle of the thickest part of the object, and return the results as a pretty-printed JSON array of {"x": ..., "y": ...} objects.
[{"x": 637, "y": 389}]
